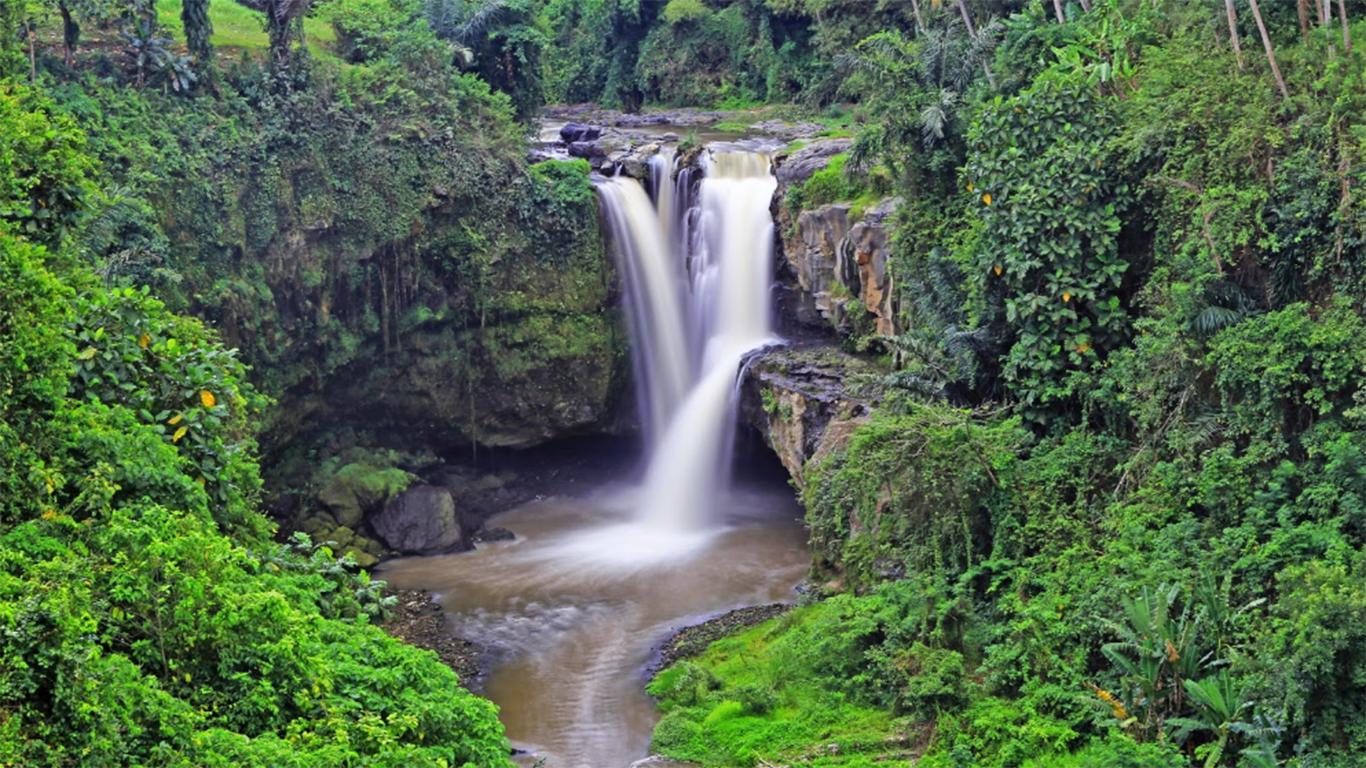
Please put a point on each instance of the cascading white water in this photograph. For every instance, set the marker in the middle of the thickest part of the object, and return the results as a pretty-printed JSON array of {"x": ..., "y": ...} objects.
[
  {"x": 652, "y": 279},
  {"x": 729, "y": 254}
]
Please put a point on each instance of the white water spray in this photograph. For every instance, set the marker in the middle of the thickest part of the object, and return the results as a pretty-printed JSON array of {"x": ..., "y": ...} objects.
[{"x": 729, "y": 257}]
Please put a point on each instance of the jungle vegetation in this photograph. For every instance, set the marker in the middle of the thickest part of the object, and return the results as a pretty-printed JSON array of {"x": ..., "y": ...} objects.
[{"x": 1111, "y": 511}]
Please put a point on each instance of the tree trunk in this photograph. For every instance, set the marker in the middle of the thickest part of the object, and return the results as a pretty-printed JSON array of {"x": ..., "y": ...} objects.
[
  {"x": 1057, "y": 8},
  {"x": 1302, "y": 8},
  {"x": 972, "y": 32},
  {"x": 71, "y": 33},
  {"x": 1086, "y": 5},
  {"x": 967, "y": 20},
  {"x": 1346, "y": 31},
  {"x": 32, "y": 55},
  {"x": 919, "y": 20},
  {"x": 1232, "y": 13},
  {"x": 1270, "y": 52}
]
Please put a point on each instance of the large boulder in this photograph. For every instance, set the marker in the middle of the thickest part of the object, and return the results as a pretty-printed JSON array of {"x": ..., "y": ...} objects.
[
  {"x": 796, "y": 168},
  {"x": 573, "y": 132},
  {"x": 420, "y": 521}
]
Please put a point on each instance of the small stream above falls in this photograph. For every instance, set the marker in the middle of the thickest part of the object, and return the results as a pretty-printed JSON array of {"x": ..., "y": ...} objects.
[{"x": 572, "y": 608}]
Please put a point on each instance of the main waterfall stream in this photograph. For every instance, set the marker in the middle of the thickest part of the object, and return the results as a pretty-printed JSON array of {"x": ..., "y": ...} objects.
[{"x": 573, "y": 607}]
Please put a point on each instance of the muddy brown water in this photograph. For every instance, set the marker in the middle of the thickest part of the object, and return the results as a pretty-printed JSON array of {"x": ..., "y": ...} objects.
[{"x": 573, "y": 608}]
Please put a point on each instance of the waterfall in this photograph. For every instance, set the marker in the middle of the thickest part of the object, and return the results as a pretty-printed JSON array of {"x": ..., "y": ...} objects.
[
  {"x": 696, "y": 275},
  {"x": 655, "y": 300}
]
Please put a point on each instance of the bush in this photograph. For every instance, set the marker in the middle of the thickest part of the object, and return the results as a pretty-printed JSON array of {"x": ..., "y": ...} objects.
[{"x": 683, "y": 11}]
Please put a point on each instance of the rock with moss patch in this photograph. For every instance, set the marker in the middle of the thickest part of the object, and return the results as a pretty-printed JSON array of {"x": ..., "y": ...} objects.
[
  {"x": 360, "y": 487},
  {"x": 363, "y": 559}
]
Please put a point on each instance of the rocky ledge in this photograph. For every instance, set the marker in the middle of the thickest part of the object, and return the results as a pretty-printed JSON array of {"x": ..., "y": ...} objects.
[
  {"x": 692, "y": 640},
  {"x": 622, "y": 142},
  {"x": 806, "y": 402}
]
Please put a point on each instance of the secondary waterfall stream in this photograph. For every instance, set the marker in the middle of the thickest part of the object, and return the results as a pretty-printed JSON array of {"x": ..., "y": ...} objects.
[{"x": 573, "y": 607}]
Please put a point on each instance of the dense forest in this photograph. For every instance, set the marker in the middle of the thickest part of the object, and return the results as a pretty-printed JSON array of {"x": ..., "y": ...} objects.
[{"x": 1108, "y": 509}]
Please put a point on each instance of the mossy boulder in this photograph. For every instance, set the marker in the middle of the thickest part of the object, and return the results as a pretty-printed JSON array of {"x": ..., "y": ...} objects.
[{"x": 360, "y": 487}]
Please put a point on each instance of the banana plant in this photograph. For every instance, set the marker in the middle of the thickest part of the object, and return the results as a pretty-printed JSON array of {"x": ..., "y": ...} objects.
[{"x": 1220, "y": 703}]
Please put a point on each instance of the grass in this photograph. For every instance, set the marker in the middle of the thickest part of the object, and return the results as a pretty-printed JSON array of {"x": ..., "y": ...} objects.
[
  {"x": 237, "y": 28},
  {"x": 754, "y": 697}
]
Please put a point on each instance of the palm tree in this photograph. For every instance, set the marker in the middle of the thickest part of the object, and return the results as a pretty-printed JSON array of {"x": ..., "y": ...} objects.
[{"x": 1346, "y": 31}]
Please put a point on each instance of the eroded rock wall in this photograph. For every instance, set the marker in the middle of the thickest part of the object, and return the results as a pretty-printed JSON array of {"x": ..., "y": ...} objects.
[{"x": 834, "y": 264}]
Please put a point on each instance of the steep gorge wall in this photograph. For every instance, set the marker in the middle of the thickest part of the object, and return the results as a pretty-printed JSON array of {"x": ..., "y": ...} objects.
[{"x": 471, "y": 311}]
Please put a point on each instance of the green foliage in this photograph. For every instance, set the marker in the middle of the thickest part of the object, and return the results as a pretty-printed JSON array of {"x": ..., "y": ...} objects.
[
  {"x": 911, "y": 492},
  {"x": 369, "y": 29},
  {"x": 146, "y": 617},
  {"x": 835, "y": 183},
  {"x": 45, "y": 169},
  {"x": 171, "y": 372},
  {"x": 35, "y": 356},
  {"x": 767, "y": 693},
  {"x": 1049, "y": 250},
  {"x": 683, "y": 11}
]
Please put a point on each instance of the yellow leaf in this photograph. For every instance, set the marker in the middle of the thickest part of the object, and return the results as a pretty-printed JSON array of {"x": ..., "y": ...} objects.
[
  {"x": 986, "y": 198},
  {"x": 179, "y": 433},
  {"x": 997, "y": 270},
  {"x": 144, "y": 340},
  {"x": 970, "y": 187},
  {"x": 1066, "y": 296},
  {"x": 176, "y": 419},
  {"x": 206, "y": 397},
  {"x": 86, "y": 353},
  {"x": 1083, "y": 348}
]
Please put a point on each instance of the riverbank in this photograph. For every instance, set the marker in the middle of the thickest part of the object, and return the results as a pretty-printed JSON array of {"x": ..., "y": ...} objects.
[{"x": 419, "y": 620}]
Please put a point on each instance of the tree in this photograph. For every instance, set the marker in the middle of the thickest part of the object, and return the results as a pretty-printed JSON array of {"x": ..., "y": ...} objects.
[
  {"x": 1346, "y": 30},
  {"x": 1270, "y": 51},
  {"x": 282, "y": 20},
  {"x": 194, "y": 15},
  {"x": 1232, "y": 14}
]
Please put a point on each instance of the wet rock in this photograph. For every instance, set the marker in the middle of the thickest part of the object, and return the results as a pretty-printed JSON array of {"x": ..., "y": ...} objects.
[
  {"x": 589, "y": 150},
  {"x": 420, "y": 521},
  {"x": 488, "y": 535},
  {"x": 577, "y": 132}
]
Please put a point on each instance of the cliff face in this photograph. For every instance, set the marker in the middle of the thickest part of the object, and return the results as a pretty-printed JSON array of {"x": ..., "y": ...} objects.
[
  {"x": 467, "y": 320},
  {"x": 834, "y": 257}
]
